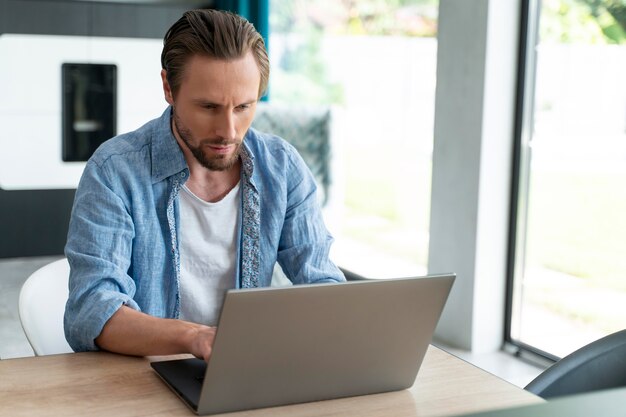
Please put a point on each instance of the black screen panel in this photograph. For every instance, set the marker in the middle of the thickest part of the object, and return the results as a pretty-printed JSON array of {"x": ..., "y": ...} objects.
[{"x": 89, "y": 108}]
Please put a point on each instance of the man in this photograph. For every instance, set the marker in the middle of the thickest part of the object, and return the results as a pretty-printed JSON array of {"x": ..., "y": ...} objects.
[{"x": 170, "y": 216}]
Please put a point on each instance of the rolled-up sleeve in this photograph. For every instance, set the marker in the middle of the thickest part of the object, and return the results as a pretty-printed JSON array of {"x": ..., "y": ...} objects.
[{"x": 98, "y": 249}]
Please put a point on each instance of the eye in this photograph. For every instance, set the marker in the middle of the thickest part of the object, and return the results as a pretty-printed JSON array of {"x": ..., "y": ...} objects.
[{"x": 243, "y": 107}]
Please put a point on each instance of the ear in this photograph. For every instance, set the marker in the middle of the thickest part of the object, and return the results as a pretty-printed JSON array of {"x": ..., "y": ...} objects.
[{"x": 167, "y": 91}]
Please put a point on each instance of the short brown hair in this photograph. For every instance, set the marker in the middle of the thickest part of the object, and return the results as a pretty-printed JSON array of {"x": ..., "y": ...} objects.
[{"x": 214, "y": 33}]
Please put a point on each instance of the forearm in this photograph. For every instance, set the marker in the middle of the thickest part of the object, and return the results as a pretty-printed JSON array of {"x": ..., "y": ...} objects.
[{"x": 134, "y": 333}]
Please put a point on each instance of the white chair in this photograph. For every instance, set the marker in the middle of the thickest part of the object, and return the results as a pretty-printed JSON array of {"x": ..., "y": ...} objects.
[{"x": 41, "y": 308}]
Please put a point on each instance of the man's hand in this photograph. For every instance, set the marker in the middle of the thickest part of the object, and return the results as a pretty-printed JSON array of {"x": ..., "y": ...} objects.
[
  {"x": 201, "y": 344},
  {"x": 134, "y": 333}
]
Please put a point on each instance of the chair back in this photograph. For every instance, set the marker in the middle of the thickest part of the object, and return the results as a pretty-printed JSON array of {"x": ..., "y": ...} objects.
[
  {"x": 309, "y": 130},
  {"x": 596, "y": 366},
  {"x": 41, "y": 308}
]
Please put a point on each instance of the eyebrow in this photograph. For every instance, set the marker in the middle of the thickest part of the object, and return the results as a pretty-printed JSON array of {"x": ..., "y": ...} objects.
[{"x": 202, "y": 102}]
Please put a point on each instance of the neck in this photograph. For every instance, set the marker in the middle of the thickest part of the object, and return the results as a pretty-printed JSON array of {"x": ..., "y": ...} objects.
[
  {"x": 210, "y": 185},
  {"x": 207, "y": 184}
]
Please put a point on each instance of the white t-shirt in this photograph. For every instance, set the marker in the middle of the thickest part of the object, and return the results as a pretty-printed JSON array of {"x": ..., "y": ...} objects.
[{"x": 208, "y": 254}]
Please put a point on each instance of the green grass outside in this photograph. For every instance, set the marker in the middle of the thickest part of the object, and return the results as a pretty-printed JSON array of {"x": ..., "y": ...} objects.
[
  {"x": 577, "y": 225},
  {"x": 386, "y": 209}
]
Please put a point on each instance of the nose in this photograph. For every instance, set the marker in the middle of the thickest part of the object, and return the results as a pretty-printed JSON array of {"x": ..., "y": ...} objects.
[{"x": 225, "y": 127}]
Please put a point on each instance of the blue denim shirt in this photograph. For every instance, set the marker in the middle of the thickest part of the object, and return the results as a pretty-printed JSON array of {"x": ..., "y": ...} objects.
[{"x": 122, "y": 243}]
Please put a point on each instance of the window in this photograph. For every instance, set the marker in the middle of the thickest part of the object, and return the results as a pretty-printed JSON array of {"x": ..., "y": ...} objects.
[
  {"x": 569, "y": 280},
  {"x": 374, "y": 62}
]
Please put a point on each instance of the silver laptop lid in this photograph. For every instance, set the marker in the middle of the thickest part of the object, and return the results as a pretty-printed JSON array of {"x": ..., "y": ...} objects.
[{"x": 277, "y": 346}]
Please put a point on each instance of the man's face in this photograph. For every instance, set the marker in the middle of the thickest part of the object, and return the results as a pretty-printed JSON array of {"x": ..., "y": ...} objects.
[{"x": 214, "y": 108}]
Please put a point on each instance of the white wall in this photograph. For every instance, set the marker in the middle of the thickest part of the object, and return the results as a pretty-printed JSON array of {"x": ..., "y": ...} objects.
[
  {"x": 30, "y": 100},
  {"x": 474, "y": 121}
]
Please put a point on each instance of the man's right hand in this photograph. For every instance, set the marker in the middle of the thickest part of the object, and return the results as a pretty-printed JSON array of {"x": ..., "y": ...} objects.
[{"x": 131, "y": 332}]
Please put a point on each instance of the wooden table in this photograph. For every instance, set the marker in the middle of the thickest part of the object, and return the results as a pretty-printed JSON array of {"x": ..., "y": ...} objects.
[{"x": 105, "y": 384}]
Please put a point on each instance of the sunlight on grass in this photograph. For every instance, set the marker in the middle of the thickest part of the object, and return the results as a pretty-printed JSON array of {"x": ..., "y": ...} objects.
[{"x": 577, "y": 225}]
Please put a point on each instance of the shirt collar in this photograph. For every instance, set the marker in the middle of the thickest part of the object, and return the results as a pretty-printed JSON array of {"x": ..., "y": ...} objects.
[
  {"x": 247, "y": 161},
  {"x": 167, "y": 157}
]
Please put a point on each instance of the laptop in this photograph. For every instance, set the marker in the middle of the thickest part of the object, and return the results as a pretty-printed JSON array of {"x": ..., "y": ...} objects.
[{"x": 285, "y": 345}]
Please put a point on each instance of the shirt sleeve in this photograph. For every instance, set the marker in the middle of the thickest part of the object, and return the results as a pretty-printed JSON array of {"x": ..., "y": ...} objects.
[
  {"x": 98, "y": 249},
  {"x": 304, "y": 247}
]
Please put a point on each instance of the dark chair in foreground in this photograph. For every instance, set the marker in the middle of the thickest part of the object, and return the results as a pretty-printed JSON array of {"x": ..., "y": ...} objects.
[{"x": 599, "y": 365}]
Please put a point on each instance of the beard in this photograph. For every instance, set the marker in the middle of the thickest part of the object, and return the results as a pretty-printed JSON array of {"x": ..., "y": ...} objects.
[{"x": 210, "y": 162}]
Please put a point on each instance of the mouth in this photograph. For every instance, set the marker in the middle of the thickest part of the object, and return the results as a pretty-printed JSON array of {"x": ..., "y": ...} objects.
[{"x": 221, "y": 149}]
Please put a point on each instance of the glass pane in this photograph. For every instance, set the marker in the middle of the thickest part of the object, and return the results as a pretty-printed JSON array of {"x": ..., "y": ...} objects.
[
  {"x": 573, "y": 286},
  {"x": 374, "y": 62}
]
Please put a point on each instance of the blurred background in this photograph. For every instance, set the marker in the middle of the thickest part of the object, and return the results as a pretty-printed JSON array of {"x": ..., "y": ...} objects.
[{"x": 78, "y": 72}]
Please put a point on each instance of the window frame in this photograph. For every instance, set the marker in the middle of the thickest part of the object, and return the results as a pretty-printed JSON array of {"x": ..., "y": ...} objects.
[{"x": 524, "y": 119}]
